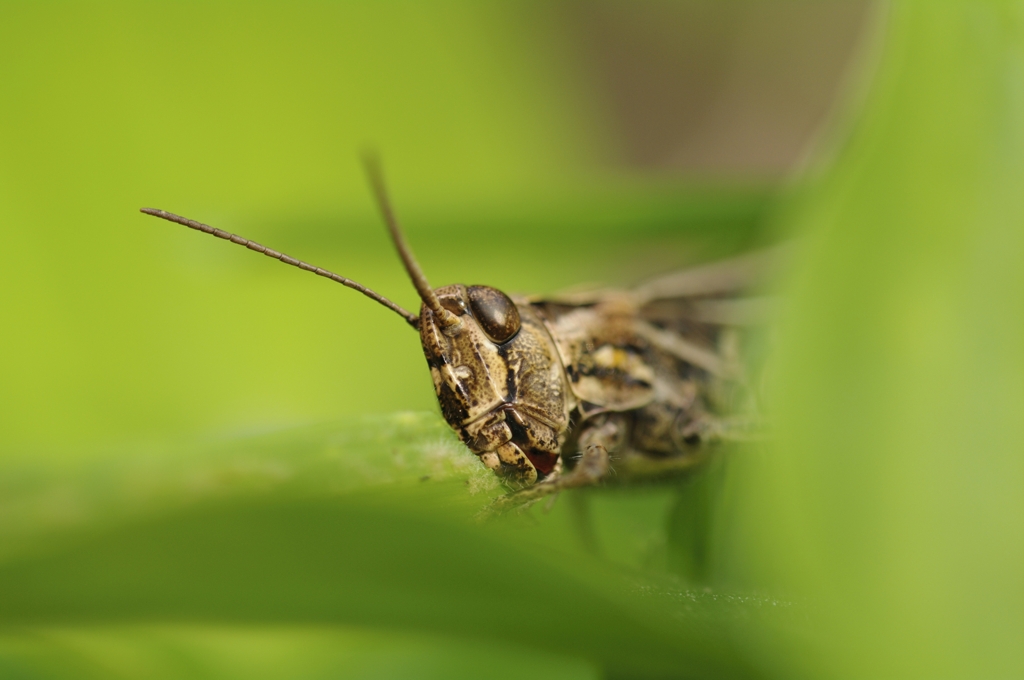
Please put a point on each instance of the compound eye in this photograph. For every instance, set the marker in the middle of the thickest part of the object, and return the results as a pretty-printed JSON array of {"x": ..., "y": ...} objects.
[{"x": 495, "y": 312}]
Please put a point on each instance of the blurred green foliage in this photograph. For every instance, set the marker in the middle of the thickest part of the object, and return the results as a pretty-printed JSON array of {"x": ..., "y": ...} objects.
[
  {"x": 879, "y": 533},
  {"x": 894, "y": 499}
]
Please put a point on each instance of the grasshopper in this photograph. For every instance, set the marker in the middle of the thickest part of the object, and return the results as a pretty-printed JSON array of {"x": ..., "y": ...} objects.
[{"x": 548, "y": 391}]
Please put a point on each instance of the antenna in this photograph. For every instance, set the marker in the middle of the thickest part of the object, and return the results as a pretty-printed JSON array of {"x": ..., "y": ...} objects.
[
  {"x": 413, "y": 320},
  {"x": 444, "y": 317}
]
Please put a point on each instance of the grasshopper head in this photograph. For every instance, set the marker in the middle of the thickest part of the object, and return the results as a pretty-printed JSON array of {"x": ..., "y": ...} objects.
[
  {"x": 498, "y": 380},
  {"x": 496, "y": 373}
]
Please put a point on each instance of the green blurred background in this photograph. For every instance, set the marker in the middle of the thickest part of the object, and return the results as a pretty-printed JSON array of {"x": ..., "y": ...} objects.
[{"x": 215, "y": 466}]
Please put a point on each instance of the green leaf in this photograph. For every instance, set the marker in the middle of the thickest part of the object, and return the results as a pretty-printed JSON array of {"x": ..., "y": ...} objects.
[{"x": 892, "y": 502}]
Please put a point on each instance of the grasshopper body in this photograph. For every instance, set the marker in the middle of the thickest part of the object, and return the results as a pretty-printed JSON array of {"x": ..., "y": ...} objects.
[
  {"x": 567, "y": 378},
  {"x": 545, "y": 391}
]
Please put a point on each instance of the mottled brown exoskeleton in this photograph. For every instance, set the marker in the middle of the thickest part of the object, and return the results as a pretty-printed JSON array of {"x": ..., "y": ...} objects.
[{"x": 546, "y": 391}]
